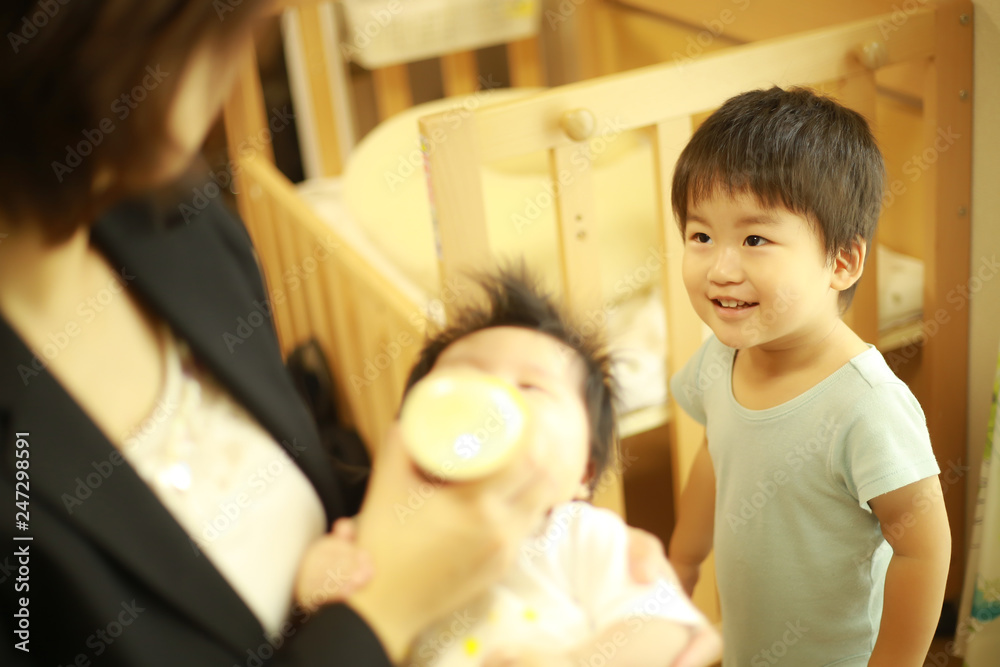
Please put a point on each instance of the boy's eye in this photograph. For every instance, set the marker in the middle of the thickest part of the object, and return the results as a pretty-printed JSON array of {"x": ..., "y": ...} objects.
[
  {"x": 754, "y": 241},
  {"x": 700, "y": 237}
]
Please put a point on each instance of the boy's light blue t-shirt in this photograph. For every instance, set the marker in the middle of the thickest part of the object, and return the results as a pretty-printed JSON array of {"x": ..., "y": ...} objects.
[{"x": 800, "y": 558}]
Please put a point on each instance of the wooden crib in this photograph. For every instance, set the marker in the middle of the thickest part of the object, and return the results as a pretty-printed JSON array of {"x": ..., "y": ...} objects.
[{"x": 324, "y": 286}]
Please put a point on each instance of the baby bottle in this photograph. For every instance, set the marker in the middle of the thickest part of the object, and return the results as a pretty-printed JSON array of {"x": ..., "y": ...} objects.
[{"x": 463, "y": 424}]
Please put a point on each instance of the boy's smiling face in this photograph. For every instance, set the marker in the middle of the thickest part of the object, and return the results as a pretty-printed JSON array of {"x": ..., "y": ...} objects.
[
  {"x": 550, "y": 376},
  {"x": 759, "y": 276}
]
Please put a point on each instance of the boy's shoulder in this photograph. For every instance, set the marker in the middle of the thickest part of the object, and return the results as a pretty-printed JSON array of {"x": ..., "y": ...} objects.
[{"x": 873, "y": 369}]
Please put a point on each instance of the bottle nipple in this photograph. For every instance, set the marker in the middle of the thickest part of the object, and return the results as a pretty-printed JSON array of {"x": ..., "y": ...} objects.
[{"x": 463, "y": 425}]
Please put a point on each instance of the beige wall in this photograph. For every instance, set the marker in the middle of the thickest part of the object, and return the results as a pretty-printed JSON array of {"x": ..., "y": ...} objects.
[{"x": 985, "y": 304}]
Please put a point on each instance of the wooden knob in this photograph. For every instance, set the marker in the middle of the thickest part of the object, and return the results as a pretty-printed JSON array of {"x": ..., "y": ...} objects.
[
  {"x": 873, "y": 54},
  {"x": 578, "y": 124}
]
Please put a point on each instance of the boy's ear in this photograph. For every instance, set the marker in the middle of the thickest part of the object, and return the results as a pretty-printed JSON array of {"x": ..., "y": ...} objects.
[{"x": 849, "y": 264}]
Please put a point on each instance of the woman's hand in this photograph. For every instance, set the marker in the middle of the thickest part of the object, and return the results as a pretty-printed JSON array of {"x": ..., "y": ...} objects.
[
  {"x": 332, "y": 568},
  {"x": 437, "y": 546}
]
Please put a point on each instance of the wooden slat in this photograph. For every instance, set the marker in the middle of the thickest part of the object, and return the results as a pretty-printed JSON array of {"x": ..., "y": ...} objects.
[
  {"x": 344, "y": 314},
  {"x": 646, "y": 96},
  {"x": 310, "y": 26},
  {"x": 245, "y": 121},
  {"x": 579, "y": 259},
  {"x": 252, "y": 210},
  {"x": 683, "y": 331},
  {"x": 459, "y": 73},
  {"x": 947, "y": 135},
  {"x": 683, "y": 325},
  {"x": 392, "y": 90},
  {"x": 285, "y": 230},
  {"x": 525, "y": 63},
  {"x": 455, "y": 188},
  {"x": 578, "y": 238},
  {"x": 859, "y": 92}
]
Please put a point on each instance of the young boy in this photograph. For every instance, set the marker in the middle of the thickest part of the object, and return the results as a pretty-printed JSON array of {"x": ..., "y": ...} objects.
[
  {"x": 569, "y": 599},
  {"x": 831, "y": 539}
]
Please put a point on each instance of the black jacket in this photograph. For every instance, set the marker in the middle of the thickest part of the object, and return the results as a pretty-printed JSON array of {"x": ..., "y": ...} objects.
[{"x": 113, "y": 579}]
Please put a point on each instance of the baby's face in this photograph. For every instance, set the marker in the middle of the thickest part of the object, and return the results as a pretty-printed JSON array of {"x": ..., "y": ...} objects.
[{"x": 550, "y": 376}]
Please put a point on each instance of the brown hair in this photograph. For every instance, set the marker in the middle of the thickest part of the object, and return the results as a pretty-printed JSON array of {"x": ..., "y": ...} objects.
[
  {"x": 791, "y": 148},
  {"x": 78, "y": 72}
]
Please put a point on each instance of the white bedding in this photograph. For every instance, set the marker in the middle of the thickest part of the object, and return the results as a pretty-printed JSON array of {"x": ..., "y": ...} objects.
[{"x": 381, "y": 206}]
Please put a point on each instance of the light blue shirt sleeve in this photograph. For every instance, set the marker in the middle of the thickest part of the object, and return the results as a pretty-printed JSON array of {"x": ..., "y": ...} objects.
[
  {"x": 887, "y": 445},
  {"x": 686, "y": 384}
]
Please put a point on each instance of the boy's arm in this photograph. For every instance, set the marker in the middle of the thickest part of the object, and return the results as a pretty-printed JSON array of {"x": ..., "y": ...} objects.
[
  {"x": 692, "y": 538},
  {"x": 915, "y": 524}
]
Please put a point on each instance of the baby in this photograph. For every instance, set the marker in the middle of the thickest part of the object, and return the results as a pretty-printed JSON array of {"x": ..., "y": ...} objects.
[{"x": 569, "y": 599}]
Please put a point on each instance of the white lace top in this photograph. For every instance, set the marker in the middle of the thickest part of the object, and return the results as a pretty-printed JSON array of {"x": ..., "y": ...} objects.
[{"x": 234, "y": 490}]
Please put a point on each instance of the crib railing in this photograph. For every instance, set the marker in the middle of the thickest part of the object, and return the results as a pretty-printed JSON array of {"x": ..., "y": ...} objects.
[
  {"x": 320, "y": 287},
  {"x": 323, "y": 93}
]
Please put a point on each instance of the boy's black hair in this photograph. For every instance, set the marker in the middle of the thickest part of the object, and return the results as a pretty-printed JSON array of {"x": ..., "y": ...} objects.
[
  {"x": 515, "y": 299},
  {"x": 791, "y": 148}
]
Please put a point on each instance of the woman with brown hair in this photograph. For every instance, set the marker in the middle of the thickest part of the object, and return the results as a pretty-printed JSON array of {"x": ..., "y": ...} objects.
[{"x": 168, "y": 489}]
